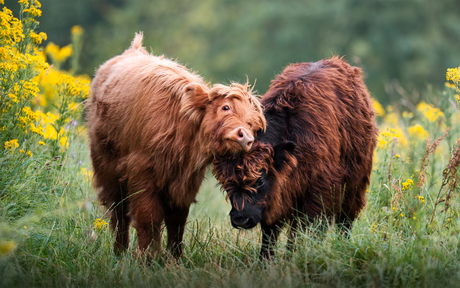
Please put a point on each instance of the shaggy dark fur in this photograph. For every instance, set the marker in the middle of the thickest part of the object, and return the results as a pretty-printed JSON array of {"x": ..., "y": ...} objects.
[{"x": 315, "y": 158}]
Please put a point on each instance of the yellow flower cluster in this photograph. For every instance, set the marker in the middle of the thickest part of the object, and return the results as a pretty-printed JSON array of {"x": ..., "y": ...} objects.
[
  {"x": 100, "y": 224},
  {"x": 26, "y": 80},
  {"x": 33, "y": 10},
  {"x": 29, "y": 118},
  {"x": 13, "y": 61},
  {"x": 37, "y": 130},
  {"x": 408, "y": 115},
  {"x": 76, "y": 30},
  {"x": 7, "y": 247},
  {"x": 11, "y": 28},
  {"x": 12, "y": 144},
  {"x": 407, "y": 184},
  {"x": 417, "y": 131},
  {"x": 453, "y": 74},
  {"x": 86, "y": 172},
  {"x": 24, "y": 152},
  {"x": 421, "y": 199},
  {"x": 431, "y": 113},
  {"x": 58, "y": 55},
  {"x": 75, "y": 86},
  {"x": 48, "y": 120},
  {"x": 38, "y": 38},
  {"x": 53, "y": 79},
  {"x": 13, "y": 98},
  {"x": 392, "y": 134},
  {"x": 378, "y": 108}
]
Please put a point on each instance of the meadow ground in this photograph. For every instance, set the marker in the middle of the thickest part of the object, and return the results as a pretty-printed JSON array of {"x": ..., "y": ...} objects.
[{"x": 53, "y": 232}]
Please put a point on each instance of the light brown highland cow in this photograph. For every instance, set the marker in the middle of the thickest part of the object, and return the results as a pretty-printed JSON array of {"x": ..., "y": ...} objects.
[{"x": 154, "y": 127}]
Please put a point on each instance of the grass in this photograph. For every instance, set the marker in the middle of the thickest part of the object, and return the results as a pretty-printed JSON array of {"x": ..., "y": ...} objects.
[{"x": 52, "y": 225}]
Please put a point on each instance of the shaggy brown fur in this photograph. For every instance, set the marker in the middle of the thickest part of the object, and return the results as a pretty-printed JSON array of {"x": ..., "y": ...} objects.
[
  {"x": 153, "y": 128},
  {"x": 324, "y": 108}
]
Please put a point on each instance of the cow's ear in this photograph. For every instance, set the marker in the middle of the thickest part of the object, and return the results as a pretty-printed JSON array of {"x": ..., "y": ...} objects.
[
  {"x": 193, "y": 102},
  {"x": 282, "y": 154}
]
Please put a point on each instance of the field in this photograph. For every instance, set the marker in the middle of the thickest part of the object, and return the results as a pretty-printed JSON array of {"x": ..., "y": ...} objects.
[{"x": 53, "y": 232}]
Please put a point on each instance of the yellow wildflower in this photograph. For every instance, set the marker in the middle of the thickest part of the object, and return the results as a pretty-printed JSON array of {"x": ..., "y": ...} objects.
[
  {"x": 421, "y": 199},
  {"x": 30, "y": 153},
  {"x": 58, "y": 55},
  {"x": 50, "y": 132},
  {"x": 418, "y": 131},
  {"x": 449, "y": 85},
  {"x": 431, "y": 113},
  {"x": 378, "y": 108},
  {"x": 86, "y": 172},
  {"x": 63, "y": 141},
  {"x": 13, "y": 98},
  {"x": 402, "y": 215},
  {"x": 393, "y": 134},
  {"x": 12, "y": 144},
  {"x": 100, "y": 224},
  {"x": 407, "y": 184},
  {"x": 382, "y": 143},
  {"x": 76, "y": 30},
  {"x": 38, "y": 38},
  {"x": 41, "y": 143},
  {"x": 36, "y": 130},
  {"x": 406, "y": 114},
  {"x": 33, "y": 11},
  {"x": 453, "y": 74},
  {"x": 7, "y": 247}
]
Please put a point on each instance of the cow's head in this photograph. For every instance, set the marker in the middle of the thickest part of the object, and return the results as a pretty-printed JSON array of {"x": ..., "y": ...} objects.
[
  {"x": 232, "y": 118},
  {"x": 251, "y": 179}
]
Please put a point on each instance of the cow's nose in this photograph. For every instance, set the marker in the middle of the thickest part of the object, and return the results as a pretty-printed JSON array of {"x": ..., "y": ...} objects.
[
  {"x": 244, "y": 139},
  {"x": 240, "y": 222}
]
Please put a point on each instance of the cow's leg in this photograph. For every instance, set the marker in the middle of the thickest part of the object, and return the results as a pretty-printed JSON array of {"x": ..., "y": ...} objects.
[
  {"x": 119, "y": 222},
  {"x": 113, "y": 196},
  {"x": 148, "y": 215},
  {"x": 270, "y": 235},
  {"x": 175, "y": 219}
]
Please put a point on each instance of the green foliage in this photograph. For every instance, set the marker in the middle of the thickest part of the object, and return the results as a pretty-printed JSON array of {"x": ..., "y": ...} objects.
[{"x": 411, "y": 42}]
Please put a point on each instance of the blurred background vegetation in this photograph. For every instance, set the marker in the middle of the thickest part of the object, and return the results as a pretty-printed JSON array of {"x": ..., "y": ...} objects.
[{"x": 399, "y": 44}]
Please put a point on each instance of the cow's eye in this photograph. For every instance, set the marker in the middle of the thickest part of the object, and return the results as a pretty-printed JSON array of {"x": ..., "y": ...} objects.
[
  {"x": 225, "y": 108},
  {"x": 260, "y": 183}
]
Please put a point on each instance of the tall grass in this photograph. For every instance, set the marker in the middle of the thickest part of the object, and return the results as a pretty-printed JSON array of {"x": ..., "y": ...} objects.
[{"x": 53, "y": 231}]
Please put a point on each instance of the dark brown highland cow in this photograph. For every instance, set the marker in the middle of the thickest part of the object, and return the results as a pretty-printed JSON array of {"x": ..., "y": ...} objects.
[
  {"x": 153, "y": 128},
  {"x": 315, "y": 158}
]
